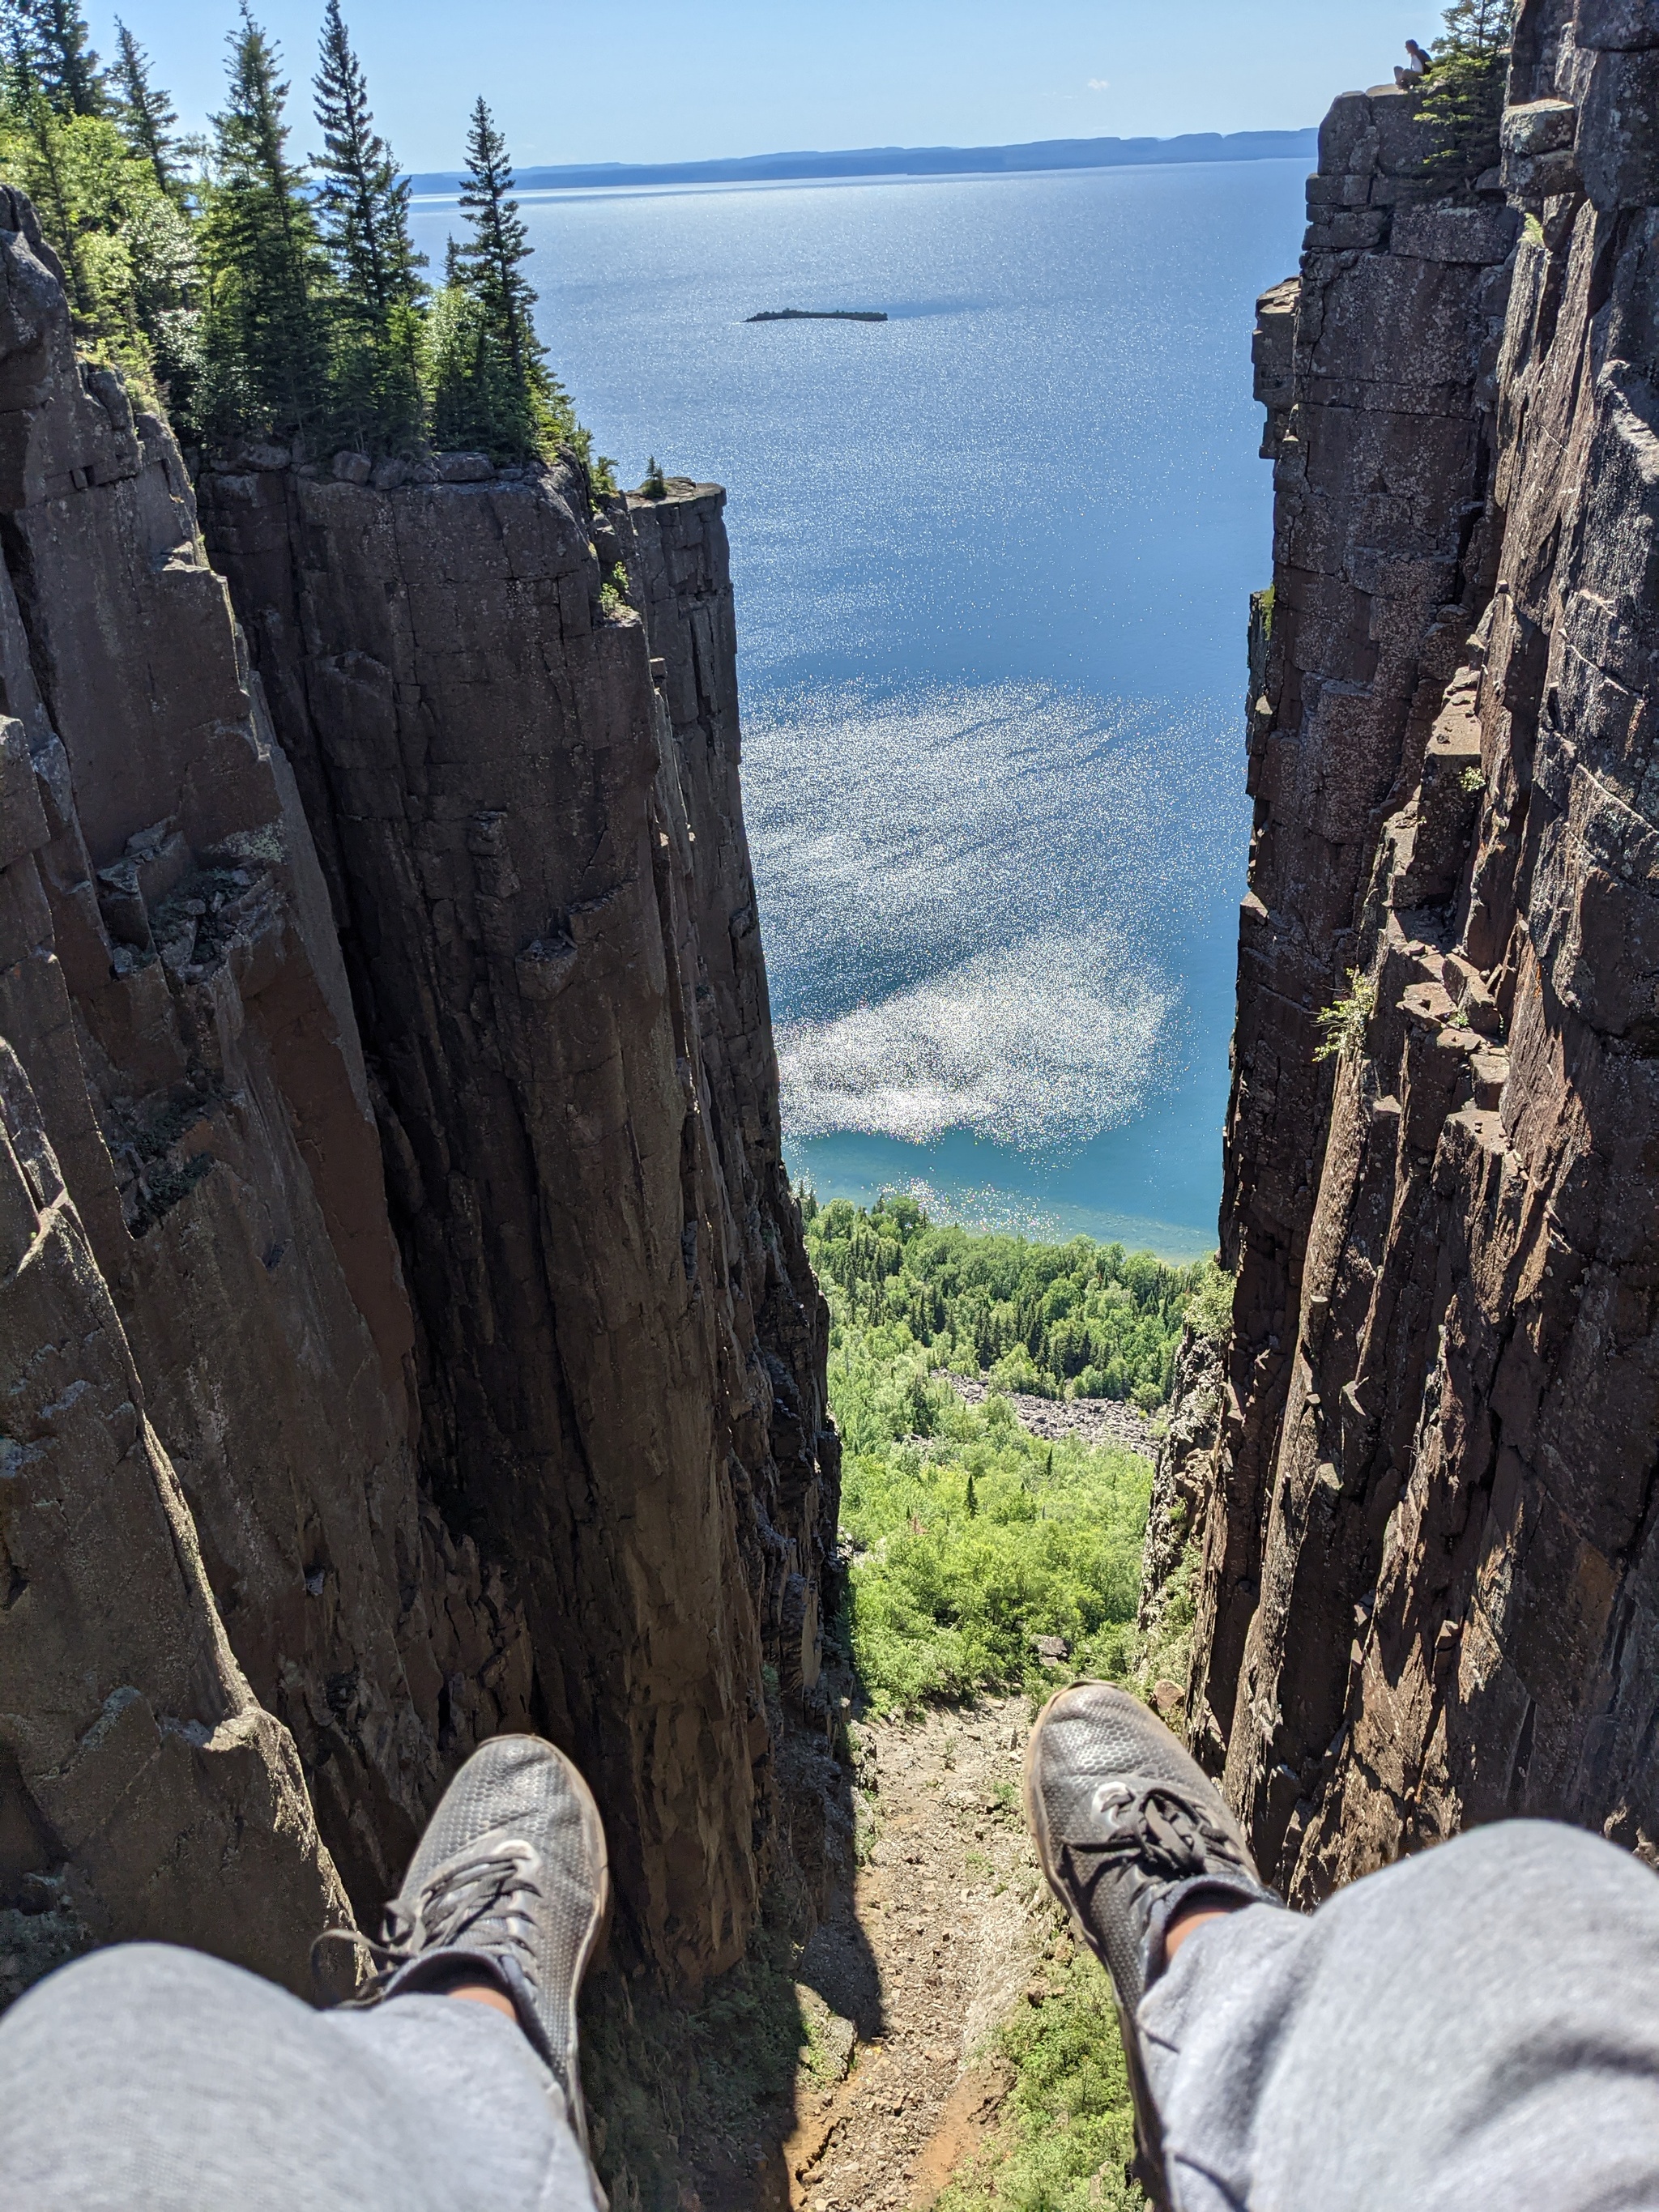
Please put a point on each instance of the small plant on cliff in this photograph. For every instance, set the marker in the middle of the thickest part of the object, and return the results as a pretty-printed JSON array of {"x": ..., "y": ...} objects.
[
  {"x": 1473, "y": 781},
  {"x": 613, "y": 592},
  {"x": 656, "y": 485},
  {"x": 1210, "y": 1308},
  {"x": 1343, "y": 1023},
  {"x": 1462, "y": 101}
]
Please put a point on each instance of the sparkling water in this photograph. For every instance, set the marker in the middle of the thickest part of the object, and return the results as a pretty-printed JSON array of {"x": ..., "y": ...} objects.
[{"x": 992, "y": 559}]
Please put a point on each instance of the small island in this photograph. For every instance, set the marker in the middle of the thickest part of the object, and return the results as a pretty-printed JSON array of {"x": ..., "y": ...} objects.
[{"x": 818, "y": 315}]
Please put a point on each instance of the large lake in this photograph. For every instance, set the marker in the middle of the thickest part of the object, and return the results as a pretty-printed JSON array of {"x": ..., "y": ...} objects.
[{"x": 993, "y": 560}]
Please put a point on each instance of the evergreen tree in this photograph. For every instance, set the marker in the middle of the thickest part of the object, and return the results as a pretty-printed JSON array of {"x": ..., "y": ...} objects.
[
  {"x": 34, "y": 122},
  {"x": 500, "y": 244},
  {"x": 145, "y": 115},
  {"x": 492, "y": 387},
  {"x": 1463, "y": 94},
  {"x": 53, "y": 33},
  {"x": 125, "y": 244},
  {"x": 264, "y": 351},
  {"x": 363, "y": 206}
]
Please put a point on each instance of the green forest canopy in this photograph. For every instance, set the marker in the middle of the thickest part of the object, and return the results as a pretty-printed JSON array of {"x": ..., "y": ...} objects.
[
  {"x": 968, "y": 1537},
  {"x": 1076, "y": 1320},
  {"x": 248, "y": 290}
]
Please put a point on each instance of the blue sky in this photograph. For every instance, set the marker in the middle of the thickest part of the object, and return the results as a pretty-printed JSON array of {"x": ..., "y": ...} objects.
[{"x": 685, "y": 80}]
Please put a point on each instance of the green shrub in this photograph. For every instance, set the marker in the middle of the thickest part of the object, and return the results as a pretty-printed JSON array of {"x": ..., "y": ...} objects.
[
  {"x": 1344, "y": 1023},
  {"x": 1210, "y": 1308},
  {"x": 1068, "y": 2125}
]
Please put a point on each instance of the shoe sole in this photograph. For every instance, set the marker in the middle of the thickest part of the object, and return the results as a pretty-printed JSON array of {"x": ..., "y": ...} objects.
[{"x": 1148, "y": 2167}]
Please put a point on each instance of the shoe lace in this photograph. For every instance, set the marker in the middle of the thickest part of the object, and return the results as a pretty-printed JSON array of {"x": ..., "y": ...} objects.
[
  {"x": 491, "y": 1888},
  {"x": 1152, "y": 1824}
]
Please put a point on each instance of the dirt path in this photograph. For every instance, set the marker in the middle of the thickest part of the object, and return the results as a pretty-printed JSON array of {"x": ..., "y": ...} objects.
[{"x": 936, "y": 1945}]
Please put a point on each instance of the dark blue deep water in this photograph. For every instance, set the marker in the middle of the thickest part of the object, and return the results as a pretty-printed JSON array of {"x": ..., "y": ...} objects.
[{"x": 993, "y": 561}]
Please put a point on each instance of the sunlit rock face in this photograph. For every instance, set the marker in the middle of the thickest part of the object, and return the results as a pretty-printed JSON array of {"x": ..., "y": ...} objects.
[
  {"x": 526, "y": 798},
  {"x": 359, "y": 1404},
  {"x": 1429, "y": 1564}
]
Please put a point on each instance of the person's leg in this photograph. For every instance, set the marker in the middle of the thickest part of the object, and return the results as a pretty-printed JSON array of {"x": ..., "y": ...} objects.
[
  {"x": 148, "y": 2077},
  {"x": 1476, "y": 2027},
  {"x": 1479, "y": 2025},
  {"x": 160, "y": 2081}
]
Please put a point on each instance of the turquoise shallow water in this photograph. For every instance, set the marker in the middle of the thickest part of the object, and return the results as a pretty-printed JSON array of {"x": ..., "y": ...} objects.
[{"x": 993, "y": 560}]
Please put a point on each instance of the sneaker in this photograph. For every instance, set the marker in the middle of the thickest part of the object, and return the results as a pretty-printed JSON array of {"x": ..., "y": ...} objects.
[
  {"x": 508, "y": 1885},
  {"x": 1129, "y": 1829}
]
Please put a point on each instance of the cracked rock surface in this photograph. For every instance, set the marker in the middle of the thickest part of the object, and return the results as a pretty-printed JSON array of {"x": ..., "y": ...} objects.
[{"x": 1429, "y": 1546}]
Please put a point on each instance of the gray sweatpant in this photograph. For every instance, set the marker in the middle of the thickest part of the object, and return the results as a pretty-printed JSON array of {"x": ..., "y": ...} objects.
[{"x": 1473, "y": 2029}]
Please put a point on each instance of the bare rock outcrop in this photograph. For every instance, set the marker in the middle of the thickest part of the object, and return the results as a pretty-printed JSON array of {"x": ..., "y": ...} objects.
[
  {"x": 1430, "y": 1553},
  {"x": 1181, "y": 1473},
  {"x": 472, "y": 1381},
  {"x": 524, "y": 790}
]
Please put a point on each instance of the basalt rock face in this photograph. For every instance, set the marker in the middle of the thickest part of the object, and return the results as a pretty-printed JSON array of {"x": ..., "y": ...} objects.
[
  {"x": 207, "y": 1494},
  {"x": 525, "y": 790},
  {"x": 357, "y": 1407},
  {"x": 1432, "y": 1571}
]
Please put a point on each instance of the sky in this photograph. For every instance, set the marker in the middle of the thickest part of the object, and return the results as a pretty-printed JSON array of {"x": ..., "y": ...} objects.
[{"x": 694, "y": 80}]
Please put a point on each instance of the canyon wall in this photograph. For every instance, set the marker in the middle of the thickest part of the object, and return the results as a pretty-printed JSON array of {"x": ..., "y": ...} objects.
[
  {"x": 1430, "y": 1569},
  {"x": 359, "y": 1403}
]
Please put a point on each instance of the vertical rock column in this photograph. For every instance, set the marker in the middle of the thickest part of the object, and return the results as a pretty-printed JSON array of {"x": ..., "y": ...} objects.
[
  {"x": 527, "y": 859},
  {"x": 786, "y": 1455},
  {"x": 1456, "y": 1616},
  {"x": 1380, "y": 423},
  {"x": 207, "y": 1485}
]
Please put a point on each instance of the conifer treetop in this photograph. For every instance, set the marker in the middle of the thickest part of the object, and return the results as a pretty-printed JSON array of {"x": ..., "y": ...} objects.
[
  {"x": 53, "y": 37},
  {"x": 363, "y": 202},
  {"x": 501, "y": 241},
  {"x": 147, "y": 114}
]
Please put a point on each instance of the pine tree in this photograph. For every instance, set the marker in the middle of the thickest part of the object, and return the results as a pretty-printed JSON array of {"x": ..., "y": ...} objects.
[
  {"x": 145, "y": 115},
  {"x": 263, "y": 341},
  {"x": 500, "y": 244},
  {"x": 492, "y": 387},
  {"x": 364, "y": 210},
  {"x": 1462, "y": 99},
  {"x": 54, "y": 34}
]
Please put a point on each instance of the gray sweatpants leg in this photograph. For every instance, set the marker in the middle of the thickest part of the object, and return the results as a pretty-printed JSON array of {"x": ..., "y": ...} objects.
[
  {"x": 1474, "y": 2028},
  {"x": 155, "y": 2080}
]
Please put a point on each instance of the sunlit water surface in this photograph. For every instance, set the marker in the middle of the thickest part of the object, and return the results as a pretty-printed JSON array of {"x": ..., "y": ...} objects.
[{"x": 993, "y": 560}]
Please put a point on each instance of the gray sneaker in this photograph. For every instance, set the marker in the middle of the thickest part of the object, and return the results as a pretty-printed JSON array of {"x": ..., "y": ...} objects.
[
  {"x": 508, "y": 1885},
  {"x": 1129, "y": 1829}
]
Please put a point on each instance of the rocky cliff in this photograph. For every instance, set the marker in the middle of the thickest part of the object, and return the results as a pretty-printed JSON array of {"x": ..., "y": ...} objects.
[
  {"x": 1430, "y": 1567},
  {"x": 406, "y": 1328}
]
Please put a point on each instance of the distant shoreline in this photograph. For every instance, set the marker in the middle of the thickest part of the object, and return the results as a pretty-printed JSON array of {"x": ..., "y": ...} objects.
[{"x": 910, "y": 162}]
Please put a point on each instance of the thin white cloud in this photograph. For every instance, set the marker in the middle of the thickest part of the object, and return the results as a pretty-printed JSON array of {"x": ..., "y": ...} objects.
[{"x": 1100, "y": 84}]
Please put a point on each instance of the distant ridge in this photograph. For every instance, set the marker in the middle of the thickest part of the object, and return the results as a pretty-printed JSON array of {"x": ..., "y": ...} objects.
[{"x": 913, "y": 161}]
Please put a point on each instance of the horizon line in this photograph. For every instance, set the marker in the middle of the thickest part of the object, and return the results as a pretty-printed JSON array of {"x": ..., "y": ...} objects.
[{"x": 902, "y": 161}]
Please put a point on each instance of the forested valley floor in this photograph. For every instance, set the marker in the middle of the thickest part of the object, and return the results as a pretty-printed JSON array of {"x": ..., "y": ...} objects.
[{"x": 939, "y": 2037}]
